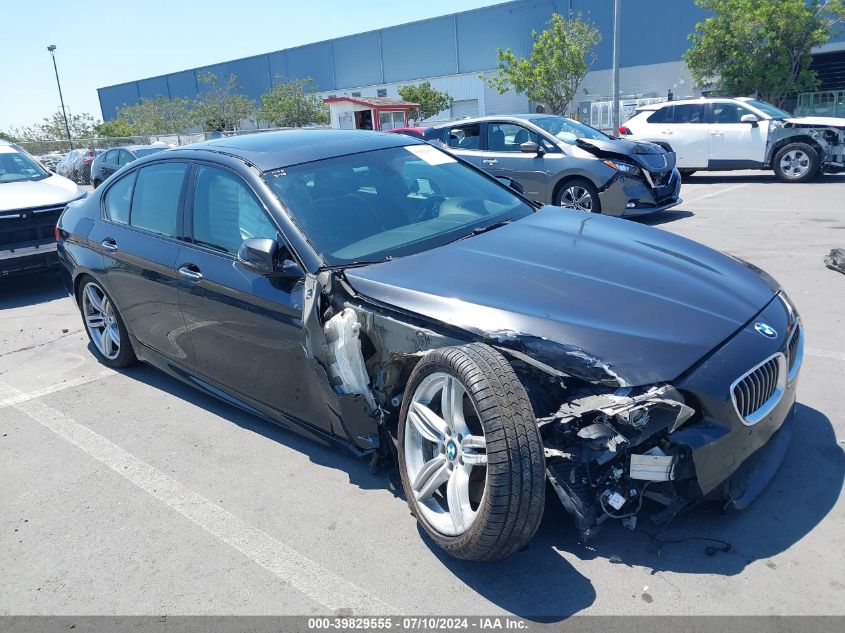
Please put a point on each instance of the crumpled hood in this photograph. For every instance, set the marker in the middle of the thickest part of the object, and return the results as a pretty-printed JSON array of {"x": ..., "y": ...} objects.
[
  {"x": 54, "y": 190},
  {"x": 647, "y": 155},
  {"x": 589, "y": 295},
  {"x": 819, "y": 121}
]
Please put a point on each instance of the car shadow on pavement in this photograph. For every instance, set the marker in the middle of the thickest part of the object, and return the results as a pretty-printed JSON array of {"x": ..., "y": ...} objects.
[
  {"x": 537, "y": 583},
  {"x": 356, "y": 469},
  {"x": 763, "y": 177},
  {"x": 18, "y": 292},
  {"x": 804, "y": 490}
]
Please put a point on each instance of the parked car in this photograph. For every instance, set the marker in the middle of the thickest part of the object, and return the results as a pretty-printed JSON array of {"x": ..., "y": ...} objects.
[
  {"x": 373, "y": 292},
  {"x": 67, "y": 165},
  {"x": 51, "y": 160},
  {"x": 76, "y": 166},
  {"x": 416, "y": 132},
  {"x": 566, "y": 163},
  {"x": 31, "y": 199},
  {"x": 109, "y": 161},
  {"x": 722, "y": 134}
]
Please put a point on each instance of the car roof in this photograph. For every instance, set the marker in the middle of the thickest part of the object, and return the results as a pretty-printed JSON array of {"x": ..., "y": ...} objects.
[
  {"x": 663, "y": 104},
  {"x": 271, "y": 150}
]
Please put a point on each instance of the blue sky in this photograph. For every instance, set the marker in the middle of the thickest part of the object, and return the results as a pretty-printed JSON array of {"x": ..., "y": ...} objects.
[{"x": 104, "y": 42}]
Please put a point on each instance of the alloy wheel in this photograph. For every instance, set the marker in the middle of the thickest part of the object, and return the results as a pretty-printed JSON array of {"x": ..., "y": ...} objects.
[
  {"x": 446, "y": 462},
  {"x": 795, "y": 163},
  {"x": 100, "y": 320},
  {"x": 577, "y": 197}
]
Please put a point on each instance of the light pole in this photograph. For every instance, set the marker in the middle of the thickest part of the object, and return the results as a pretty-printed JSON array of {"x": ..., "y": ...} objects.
[
  {"x": 52, "y": 49},
  {"x": 614, "y": 110}
]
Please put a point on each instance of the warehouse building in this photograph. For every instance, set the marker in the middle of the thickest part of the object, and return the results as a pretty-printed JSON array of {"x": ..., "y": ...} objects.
[{"x": 453, "y": 51}]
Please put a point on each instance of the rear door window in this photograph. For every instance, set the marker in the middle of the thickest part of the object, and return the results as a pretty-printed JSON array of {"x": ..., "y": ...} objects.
[
  {"x": 685, "y": 113},
  {"x": 464, "y": 137},
  {"x": 119, "y": 199},
  {"x": 155, "y": 201}
]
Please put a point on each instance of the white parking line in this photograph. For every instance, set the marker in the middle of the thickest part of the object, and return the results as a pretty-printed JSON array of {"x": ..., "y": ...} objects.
[
  {"x": 307, "y": 576},
  {"x": 715, "y": 193},
  {"x": 59, "y": 386}
]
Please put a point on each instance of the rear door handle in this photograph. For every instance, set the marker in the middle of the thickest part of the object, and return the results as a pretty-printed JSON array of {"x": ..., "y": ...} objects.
[
  {"x": 190, "y": 272},
  {"x": 668, "y": 132},
  {"x": 489, "y": 161},
  {"x": 109, "y": 244}
]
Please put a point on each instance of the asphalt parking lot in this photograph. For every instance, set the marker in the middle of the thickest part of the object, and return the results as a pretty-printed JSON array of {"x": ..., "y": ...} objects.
[{"x": 129, "y": 493}]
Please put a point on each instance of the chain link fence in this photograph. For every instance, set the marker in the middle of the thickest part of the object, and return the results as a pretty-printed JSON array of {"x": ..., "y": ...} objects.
[{"x": 73, "y": 158}]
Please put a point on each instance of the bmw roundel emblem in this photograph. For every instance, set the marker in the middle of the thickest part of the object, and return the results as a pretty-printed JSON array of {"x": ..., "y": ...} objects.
[
  {"x": 451, "y": 450},
  {"x": 765, "y": 329}
]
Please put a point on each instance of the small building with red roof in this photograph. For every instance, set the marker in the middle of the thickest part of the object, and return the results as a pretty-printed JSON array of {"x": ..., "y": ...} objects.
[{"x": 369, "y": 113}]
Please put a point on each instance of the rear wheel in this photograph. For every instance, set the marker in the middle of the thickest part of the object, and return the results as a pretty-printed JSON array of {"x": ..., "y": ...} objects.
[
  {"x": 105, "y": 328},
  {"x": 470, "y": 453},
  {"x": 96, "y": 183},
  {"x": 579, "y": 194},
  {"x": 796, "y": 162}
]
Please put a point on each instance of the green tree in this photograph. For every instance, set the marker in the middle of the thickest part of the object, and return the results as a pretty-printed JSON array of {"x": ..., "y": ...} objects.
[
  {"x": 116, "y": 128},
  {"x": 760, "y": 47},
  {"x": 157, "y": 116},
  {"x": 431, "y": 101},
  {"x": 560, "y": 58},
  {"x": 220, "y": 106},
  {"x": 8, "y": 137},
  {"x": 294, "y": 104}
]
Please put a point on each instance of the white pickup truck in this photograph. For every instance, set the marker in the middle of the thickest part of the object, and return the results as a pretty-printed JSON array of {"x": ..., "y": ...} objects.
[{"x": 719, "y": 134}]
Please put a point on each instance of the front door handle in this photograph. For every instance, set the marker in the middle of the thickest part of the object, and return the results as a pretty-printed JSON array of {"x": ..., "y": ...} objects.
[
  {"x": 489, "y": 161},
  {"x": 109, "y": 244},
  {"x": 668, "y": 132},
  {"x": 190, "y": 272}
]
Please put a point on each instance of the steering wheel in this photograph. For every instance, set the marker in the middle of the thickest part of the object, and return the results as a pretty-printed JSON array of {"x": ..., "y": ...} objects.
[{"x": 430, "y": 208}]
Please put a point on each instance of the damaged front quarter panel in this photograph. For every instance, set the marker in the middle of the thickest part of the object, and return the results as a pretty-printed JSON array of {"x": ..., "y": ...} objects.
[{"x": 829, "y": 140}]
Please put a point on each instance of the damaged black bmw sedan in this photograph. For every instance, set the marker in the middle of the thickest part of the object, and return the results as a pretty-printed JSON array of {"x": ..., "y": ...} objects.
[{"x": 374, "y": 292}]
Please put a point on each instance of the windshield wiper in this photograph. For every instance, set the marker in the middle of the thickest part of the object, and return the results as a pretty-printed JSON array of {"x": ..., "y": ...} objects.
[
  {"x": 483, "y": 229},
  {"x": 357, "y": 264}
]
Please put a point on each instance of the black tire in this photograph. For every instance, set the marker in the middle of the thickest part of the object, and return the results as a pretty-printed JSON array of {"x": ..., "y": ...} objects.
[
  {"x": 685, "y": 173},
  {"x": 806, "y": 164},
  {"x": 96, "y": 183},
  {"x": 586, "y": 185},
  {"x": 126, "y": 355},
  {"x": 513, "y": 500}
]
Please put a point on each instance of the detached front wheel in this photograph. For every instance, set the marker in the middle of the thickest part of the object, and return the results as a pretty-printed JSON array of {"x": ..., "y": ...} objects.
[{"x": 470, "y": 453}]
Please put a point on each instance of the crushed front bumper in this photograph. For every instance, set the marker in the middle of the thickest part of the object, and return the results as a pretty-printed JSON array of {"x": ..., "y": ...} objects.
[{"x": 631, "y": 196}]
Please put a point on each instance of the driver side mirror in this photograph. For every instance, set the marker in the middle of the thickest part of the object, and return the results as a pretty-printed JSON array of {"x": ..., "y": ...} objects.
[
  {"x": 530, "y": 147},
  {"x": 750, "y": 118},
  {"x": 261, "y": 254}
]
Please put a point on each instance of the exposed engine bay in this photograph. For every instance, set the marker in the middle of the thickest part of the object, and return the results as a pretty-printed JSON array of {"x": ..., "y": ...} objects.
[{"x": 828, "y": 139}]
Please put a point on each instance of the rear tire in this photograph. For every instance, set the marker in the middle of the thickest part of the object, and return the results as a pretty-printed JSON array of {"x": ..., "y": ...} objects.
[
  {"x": 105, "y": 327},
  {"x": 796, "y": 162},
  {"x": 96, "y": 183},
  {"x": 580, "y": 194},
  {"x": 478, "y": 445}
]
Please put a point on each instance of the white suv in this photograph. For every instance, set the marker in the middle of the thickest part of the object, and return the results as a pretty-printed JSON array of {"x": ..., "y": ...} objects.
[{"x": 720, "y": 134}]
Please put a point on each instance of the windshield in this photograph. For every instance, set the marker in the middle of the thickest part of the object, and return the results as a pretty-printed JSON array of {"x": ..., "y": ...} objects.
[
  {"x": 388, "y": 203},
  {"x": 140, "y": 153},
  {"x": 768, "y": 108},
  {"x": 16, "y": 166},
  {"x": 559, "y": 126}
]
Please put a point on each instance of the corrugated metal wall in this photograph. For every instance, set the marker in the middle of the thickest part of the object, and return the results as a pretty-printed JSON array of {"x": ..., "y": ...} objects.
[{"x": 653, "y": 31}]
